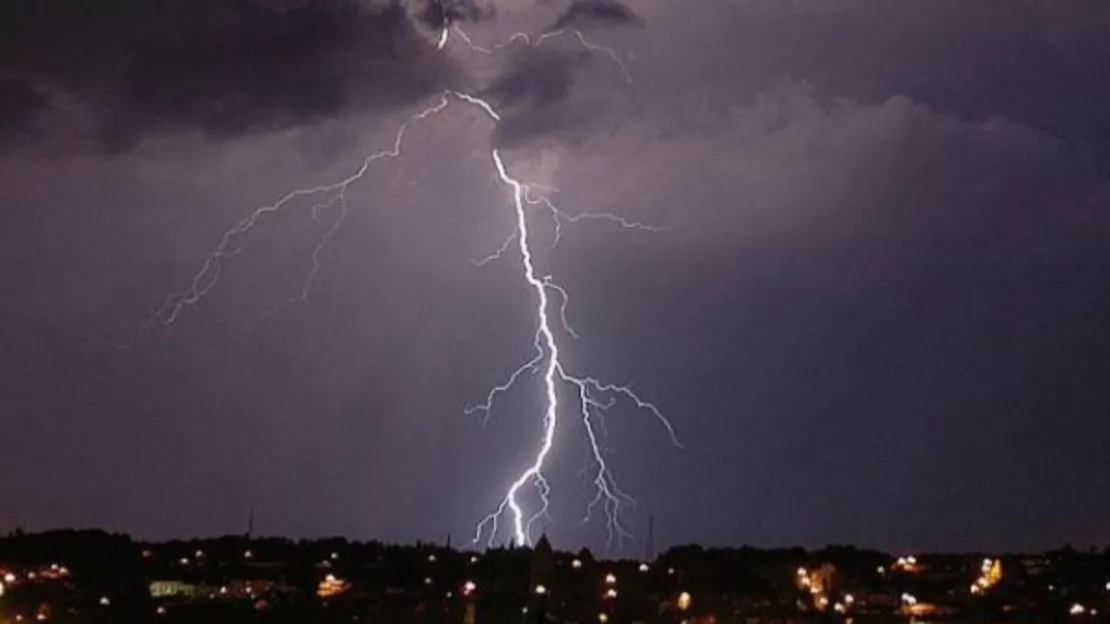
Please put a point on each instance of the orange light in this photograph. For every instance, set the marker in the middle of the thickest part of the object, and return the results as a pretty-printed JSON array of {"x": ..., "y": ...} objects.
[{"x": 684, "y": 601}]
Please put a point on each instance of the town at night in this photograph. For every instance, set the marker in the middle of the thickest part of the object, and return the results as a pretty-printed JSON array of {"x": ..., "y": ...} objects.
[{"x": 111, "y": 578}]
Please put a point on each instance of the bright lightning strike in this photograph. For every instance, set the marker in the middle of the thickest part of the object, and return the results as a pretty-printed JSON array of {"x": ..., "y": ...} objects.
[
  {"x": 593, "y": 396},
  {"x": 608, "y": 494}
]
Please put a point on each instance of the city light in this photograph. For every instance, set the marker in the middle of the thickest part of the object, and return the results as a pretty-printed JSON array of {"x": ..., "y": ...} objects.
[
  {"x": 1077, "y": 609},
  {"x": 331, "y": 586},
  {"x": 601, "y": 617},
  {"x": 906, "y": 564},
  {"x": 576, "y": 564},
  {"x": 541, "y": 590},
  {"x": 644, "y": 567},
  {"x": 105, "y": 601},
  {"x": 684, "y": 601},
  {"x": 9, "y": 578},
  {"x": 611, "y": 593},
  {"x": 469, "y": 587},
  {"x": 610, "y": 579},
  {"x": 990, "y": 574}
]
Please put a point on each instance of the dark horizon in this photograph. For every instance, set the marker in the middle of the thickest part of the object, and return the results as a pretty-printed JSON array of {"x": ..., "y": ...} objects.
[
  {"x": 635, "y": 553},
  {"x": 868, "y": 284}
]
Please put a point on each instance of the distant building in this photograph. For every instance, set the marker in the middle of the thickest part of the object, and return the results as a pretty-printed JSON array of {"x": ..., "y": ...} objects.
[{"x": 174, "y": 589}]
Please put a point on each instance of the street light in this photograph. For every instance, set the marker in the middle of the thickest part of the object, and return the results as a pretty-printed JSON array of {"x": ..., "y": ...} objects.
[{"x": 684, "y": 601}]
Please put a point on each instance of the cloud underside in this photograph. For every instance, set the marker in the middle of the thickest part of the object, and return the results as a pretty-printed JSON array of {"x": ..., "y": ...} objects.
[
  {"x": 858, "y": 191},
  {"x": 225, "y": 68},
  {"x": 232, "y": 68},
  {"x": 582, "y": 13}
]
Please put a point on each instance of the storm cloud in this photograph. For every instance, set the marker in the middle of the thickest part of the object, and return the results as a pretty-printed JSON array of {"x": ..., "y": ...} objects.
[
  {"x": 533, "y": 91},
  {"x": 440, "y": 13},
  {"x": 881, "y": 259},
  {"x": 224, "y": 68},
  {"x": 596, "y": 12}
]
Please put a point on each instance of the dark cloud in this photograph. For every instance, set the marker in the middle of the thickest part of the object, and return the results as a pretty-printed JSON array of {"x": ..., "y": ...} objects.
[
  {"x": 437, "y": 13},
  {"x": 883, "y": 260},
  {"x": 224, "y": 68},
  {"x": 602, "y": 12},
  {"x": 532, "y": 90},
  {"x": 19, "y": 105}
]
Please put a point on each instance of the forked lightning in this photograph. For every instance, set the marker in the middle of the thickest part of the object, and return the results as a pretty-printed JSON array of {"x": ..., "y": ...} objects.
[{"x": 593, "y": 396}]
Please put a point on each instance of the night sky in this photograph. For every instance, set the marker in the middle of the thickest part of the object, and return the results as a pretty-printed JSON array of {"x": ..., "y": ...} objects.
[{"x": 877, "y": 310}]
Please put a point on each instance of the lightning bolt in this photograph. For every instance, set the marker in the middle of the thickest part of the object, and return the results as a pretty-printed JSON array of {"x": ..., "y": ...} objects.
[
  {"x": 229, "y": 246},
  {"x": 588, "y": 389},
  {"x": 593, "y": 396}
]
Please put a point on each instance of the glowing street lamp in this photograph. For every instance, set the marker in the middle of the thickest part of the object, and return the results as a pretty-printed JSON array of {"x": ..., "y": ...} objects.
[{"x": 684, "y": 601}]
